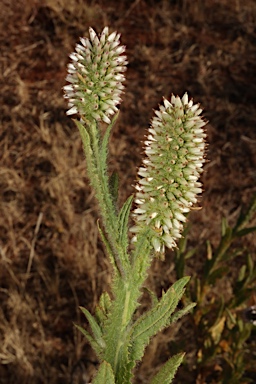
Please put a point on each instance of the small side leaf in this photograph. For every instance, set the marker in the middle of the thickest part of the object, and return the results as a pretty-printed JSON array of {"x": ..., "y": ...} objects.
[
  {"x": 123, "y": 218},
  {"x": 104, "y": 375},
  {"x": 156, "y": 319},
  {"x": 95, "y": 346},
  {"x": 177, "y": 315},
  {"x": 246, "y": 216},
  {"x": 105, "y": 140},
  {"x": 168, "y": 370},
  {"x": 102, "y": 309},
  {"x": 141, "y": 256},
  {"x": 245, "y": 231},
  {"x": 96, "y": 330},
  {"x": 113, "y": 187},
  {"x": 107, "y": 245}
]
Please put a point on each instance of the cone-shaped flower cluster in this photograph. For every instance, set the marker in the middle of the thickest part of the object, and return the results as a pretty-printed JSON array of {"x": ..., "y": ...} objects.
[
  {"x": 168, "y": 184},
  {"x": 96, "y": 76}
]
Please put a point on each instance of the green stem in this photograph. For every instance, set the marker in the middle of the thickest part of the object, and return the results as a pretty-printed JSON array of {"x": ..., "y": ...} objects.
[
  {"x": 117, "y": 329},
  {"x": 127, "y": 293},
  {"x": 97, "y": 172}
]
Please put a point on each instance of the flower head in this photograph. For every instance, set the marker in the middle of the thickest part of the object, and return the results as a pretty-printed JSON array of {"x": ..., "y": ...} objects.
[
  {"x": 96, "y": 76},
  {"x": 168, "y": 183}
]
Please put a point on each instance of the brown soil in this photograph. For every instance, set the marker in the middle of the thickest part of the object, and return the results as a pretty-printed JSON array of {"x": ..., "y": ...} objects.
[{"x": 51, "y": 258}]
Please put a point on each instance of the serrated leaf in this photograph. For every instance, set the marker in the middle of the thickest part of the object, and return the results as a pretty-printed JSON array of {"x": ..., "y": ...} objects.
[
  {"x": 155, "y": 319},
  {"x": 108, "y": 247},
  {"x": 168, "y": 370},
  {"x": 177, "y": 315},
  {"x": 95, "y": 346},
  {"x": 102, "y": 309},
  {"x": 105, "y": 140},
  {"x": 152, "y": 295},
  {"x": 123, "y": 218},
  {"x": 141, "y": 256},
  {"x": 96, "y": 330},
  {"x": 113, "y": 187},
  {"x": 105, "y": 302},
  {"x": 104, "y": 375},
  {"x": 91, "y": 166}
]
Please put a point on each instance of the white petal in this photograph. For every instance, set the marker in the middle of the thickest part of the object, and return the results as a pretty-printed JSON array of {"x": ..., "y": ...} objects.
[
  {"x": 112, "y": 37},
  {"x": 72, "y": 111},
  {"x": 185, "y": 98}
]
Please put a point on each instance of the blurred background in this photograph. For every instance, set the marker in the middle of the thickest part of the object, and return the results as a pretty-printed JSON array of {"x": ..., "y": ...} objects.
[{"x": 51, "y": 257}]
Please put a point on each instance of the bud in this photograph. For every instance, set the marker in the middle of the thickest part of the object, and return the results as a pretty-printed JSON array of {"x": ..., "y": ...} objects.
[
  {"x": 168, "y": 184},
  {"x": 96, "y": 76}
]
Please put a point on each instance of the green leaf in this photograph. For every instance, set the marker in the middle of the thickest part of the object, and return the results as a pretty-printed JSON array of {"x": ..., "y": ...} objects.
[
  {"x": 84, "y": 136},
  {"x": 117, "y": 326},
  {"x": 88, "y": 151},
  {"x": 241, "y": 273},
  {"x": 123, "y": 218},
  {"x": 102, "y": 309},
  {"x": 168, "y": 370},
  {"x": 250, "y": 264},
  {"x": 108, "y": 248},
  {"x": 246, "y": 216},
  {"x": 153, "y": 296},
  {"x": 216, "y": 329},
  {"x": 141, "y": 256},
  {"x": 177, "y": 315},
  {"x": 96, "y": 330},
  {"x": 105, "y": 140},
  {"x": 113, "y": 187},
  {"x": 105, "y": 302},
  {"x": 95, "y": 346},
  {"x": 156, "y": 319},
  {"x": 224, "y": 227},
  {"x": 105, "y": 374},
  {"x": 183, "y": 240},
  {"x": 245, "y": 231}
]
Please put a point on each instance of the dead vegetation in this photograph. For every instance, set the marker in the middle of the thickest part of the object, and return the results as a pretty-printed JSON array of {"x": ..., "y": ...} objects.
[{"x": 51, "y": 259}]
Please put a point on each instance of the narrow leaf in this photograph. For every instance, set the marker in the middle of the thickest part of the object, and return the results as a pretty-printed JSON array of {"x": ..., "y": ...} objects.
[
  {"x": 96, "y": 330},
  {"x": 152, "y": 295},
  {"x": 105, "y": 140},
  {"x": 105, "y": 374},
  {"x": 84, "y": 136},
  {"x": 245, "y": 231},
  {"x": 108, "y": 247},
  {"x": 141, "y": 256},
  {"x": 168, "y": 370},
  {"x": 95, "y": 346},
  {"x": 246, "y": 216},
  {"x": 102, "y": 309},
  {"x": 156, "y": 319},
  {"x": 123, "y": 218},
  {"x": 177, "y": 315},
  {"x": 113, "y": 187}
]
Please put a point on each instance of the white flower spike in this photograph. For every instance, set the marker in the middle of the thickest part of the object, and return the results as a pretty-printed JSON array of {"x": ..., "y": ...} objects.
[
  {"x": 168, "y": 184},
  {"x": 96, "y": 76}
]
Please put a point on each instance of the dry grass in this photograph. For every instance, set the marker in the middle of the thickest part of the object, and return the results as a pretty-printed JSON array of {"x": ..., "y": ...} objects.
[{"x": 51, "y": 259}]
